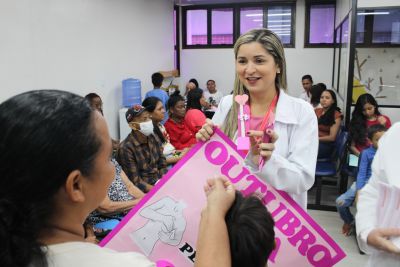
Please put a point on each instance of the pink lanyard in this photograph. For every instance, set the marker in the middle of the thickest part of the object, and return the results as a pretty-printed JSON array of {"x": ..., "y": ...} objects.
[
  {"x": 243, "y": 142},
  {"x": 270, "y": 119},
  {"x": 267, "y": 116}
]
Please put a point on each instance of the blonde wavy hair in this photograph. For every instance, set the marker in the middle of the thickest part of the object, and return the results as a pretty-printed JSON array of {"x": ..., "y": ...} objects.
[{"x": 273, "y": 45}]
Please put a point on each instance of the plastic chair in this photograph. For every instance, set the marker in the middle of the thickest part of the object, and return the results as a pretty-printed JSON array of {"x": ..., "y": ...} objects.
[
  {"x": 330, "y": 169},
  {"x": 341, "y": 129}
]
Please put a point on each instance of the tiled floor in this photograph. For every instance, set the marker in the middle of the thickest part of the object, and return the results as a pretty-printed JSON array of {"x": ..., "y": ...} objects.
[{"x": 332, "y": 224}]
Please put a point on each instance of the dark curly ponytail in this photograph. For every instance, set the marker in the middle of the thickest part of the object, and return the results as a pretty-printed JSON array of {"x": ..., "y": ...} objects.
[{"x": 45, "y": 135}]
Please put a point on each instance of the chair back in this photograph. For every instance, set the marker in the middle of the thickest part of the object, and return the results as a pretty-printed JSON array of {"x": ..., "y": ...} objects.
[
  {"x": 341, "y": 150},
  {"x": 340, "y": 143}
]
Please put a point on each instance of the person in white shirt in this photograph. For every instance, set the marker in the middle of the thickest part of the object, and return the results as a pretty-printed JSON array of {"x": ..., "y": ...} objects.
[
  {"x": 212, "y": 95},
  {"x": 291, "y": 153},
  {"x": 385, "y": 169},
  {"x": 55, "y": 169},
  {"x": 307, "y": 82}
]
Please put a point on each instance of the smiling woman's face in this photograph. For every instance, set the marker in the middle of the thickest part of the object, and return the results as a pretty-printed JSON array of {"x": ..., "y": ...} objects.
[{"x": 255, "y": 67}]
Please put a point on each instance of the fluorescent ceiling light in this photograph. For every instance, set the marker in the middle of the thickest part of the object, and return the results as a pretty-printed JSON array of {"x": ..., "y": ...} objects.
[
  {"x": 257, "y": 20},
  {"x": 373, "y": 13},
  {"x": 279, "y": 20},
  {"x": 254, "y": 15},
  {"x": 279, "y": 14},
  {"x": 269, "y": 15},
  {"x": 283, "y": 34},
  {"x": 274, "y": 26}
]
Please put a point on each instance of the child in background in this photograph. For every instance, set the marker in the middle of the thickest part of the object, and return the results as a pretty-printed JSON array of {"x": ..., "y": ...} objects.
[
  {"x": 344, "y": 201},
  {"x": 251, "y": 232},
  {"x": 365, "y": 115}
]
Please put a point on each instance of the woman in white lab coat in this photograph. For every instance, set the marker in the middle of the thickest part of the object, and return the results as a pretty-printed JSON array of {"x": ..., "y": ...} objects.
[
  {"x": 385, "y": 169},
  {"x": 291, "y": 154}
]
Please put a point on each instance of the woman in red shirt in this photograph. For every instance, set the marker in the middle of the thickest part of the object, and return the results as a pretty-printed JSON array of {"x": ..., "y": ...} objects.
[
  {"x": 195, "y": 118},
  {"x": 329, "y": 119},
  {"x": 365, "y": 114},
  {"x": 180, "y": 136}
]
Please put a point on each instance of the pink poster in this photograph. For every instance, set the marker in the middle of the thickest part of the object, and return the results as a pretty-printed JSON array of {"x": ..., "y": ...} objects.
[{"x": 164, "y": 225}]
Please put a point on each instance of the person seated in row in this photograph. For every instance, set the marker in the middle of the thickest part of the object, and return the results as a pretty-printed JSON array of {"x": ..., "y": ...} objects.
[
  {"x": 157, "y": 80},
  {"x": 65, "y": 150},
  {"x": 194, "y": 117},
  {"x": 366, "y": 113},
  {"x": 329, "y": 119},
  {"x": 344, "y": 201},
  {"x": 191, "y": 84},
  {"x": 316, "y": 92},
  {"x": 96, "y": 103},
  {"x": 212, "y": 96},
  {"x": 122, "y": 196},
  {"x": 156, "y": 109},
  {"x": 307, "y": 82},
  {"x": 141, "y": 154},
  {"x": 180, "y": 135}
]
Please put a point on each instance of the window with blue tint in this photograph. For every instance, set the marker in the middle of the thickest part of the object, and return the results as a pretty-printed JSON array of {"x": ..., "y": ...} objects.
[
  {"x": 196, "y": 27},
  {"x": 251, "y": 18},
  {"x": 222, "y": 26},
  {"x": 360, "y": 34},
  {"x": 386, "y": 26},
  {"x": 322, "y": 22},
  {"x": 280, "y": 22},
  {"x": 345, "y": 32}
]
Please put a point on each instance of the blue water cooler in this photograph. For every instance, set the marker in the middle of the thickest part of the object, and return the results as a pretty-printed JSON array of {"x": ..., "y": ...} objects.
[{"x": 131, "y": 92}]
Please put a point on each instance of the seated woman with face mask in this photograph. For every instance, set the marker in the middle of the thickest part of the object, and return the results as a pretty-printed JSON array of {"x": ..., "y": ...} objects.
[{"x": 140, "y": 154}]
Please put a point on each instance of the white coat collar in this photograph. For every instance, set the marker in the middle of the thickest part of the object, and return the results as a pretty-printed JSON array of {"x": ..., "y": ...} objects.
[{"x": 285, "y": 111}]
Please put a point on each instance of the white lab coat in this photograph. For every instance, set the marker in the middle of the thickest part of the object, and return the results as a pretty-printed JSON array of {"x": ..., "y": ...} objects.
[
  {"x": 385, "y": 169},
  {"x": 291, "y": 167}
]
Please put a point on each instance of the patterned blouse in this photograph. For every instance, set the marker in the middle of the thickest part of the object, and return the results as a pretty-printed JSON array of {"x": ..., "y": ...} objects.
[{"x": 118, "y": 192}]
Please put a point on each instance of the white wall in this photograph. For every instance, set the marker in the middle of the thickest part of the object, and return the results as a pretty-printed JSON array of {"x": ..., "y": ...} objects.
[
  {"x": 218, "y": 64},
  {"x": 375, "y": 3},
  {"x": 84, "y": 46}
]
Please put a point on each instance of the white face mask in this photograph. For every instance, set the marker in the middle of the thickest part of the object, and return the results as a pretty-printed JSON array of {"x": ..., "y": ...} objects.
[{"x": 146, "y": 127}]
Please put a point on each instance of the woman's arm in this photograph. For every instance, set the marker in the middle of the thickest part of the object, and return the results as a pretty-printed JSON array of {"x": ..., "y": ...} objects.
[
  {"x": 132, "y": 189},
  {"x": 332, "y": 132},
  {"x": 213, "y": 249},
  {"x": 108, "y": 207}
]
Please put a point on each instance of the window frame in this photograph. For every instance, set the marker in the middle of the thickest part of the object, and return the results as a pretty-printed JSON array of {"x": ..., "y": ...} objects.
[
  {"x": 177, "y": 38},
  {"x": 236, "y": 22},
  {"x": 307, "y": 25},
  {"x": 369, "y": 28}
]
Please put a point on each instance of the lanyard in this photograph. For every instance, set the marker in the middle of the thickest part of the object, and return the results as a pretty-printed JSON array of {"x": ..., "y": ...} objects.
[{"x": 268, "y": 115}]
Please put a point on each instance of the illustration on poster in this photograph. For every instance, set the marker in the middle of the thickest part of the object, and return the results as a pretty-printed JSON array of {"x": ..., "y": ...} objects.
[{"x": 166, "y": 223}]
